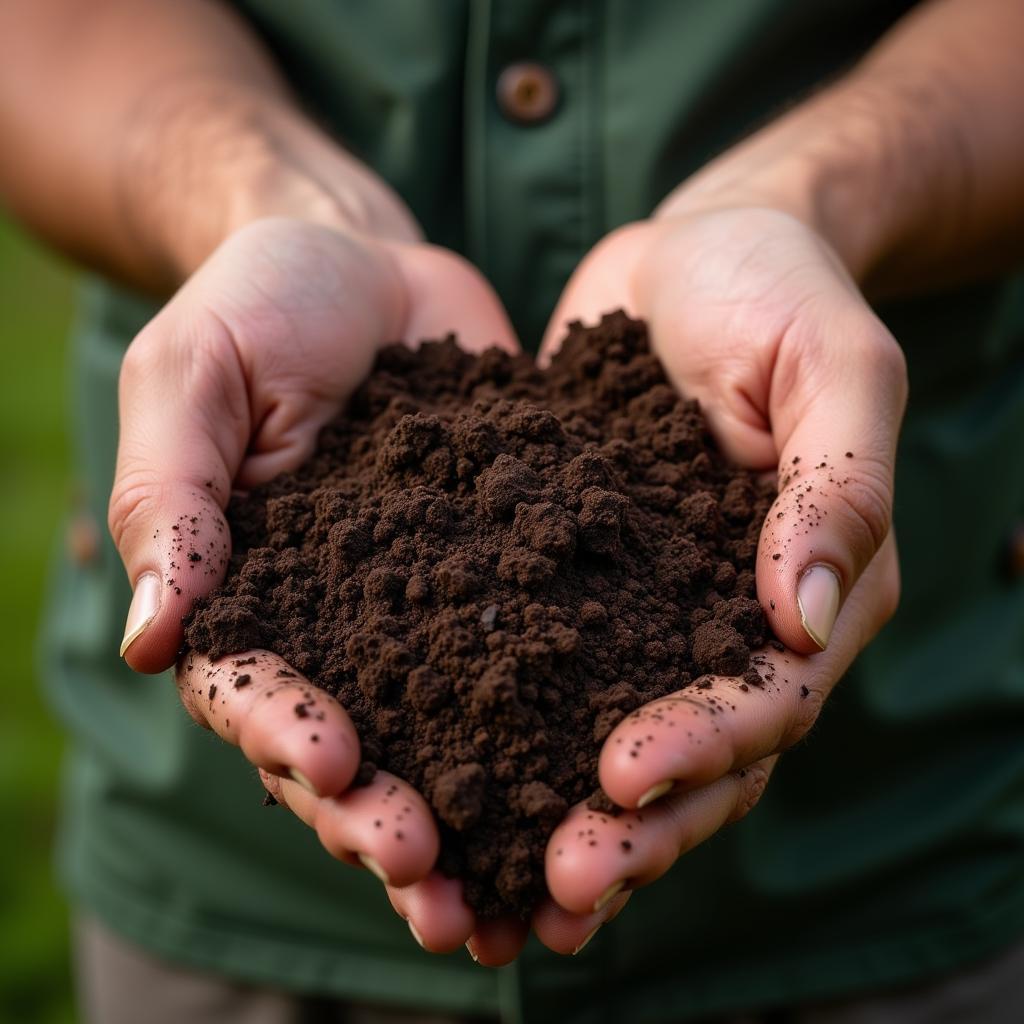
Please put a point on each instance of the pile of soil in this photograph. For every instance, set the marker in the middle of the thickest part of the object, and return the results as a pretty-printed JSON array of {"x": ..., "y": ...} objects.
[{"x": 490, "y": 566}]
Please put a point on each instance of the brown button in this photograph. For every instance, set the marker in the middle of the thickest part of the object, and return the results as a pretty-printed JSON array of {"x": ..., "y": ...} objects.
[
  {"x": 527, "y": 93},
  {"x": 1015, "y": 552}
]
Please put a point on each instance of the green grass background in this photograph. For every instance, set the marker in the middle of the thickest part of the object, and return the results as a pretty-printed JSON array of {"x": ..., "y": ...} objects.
[{"x": 35, "y": 309}]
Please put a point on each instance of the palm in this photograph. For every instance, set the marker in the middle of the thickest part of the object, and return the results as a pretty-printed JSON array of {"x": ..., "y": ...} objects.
[
  {"x": 720, "y": 293},
  {"x": 292, "y": 314}
]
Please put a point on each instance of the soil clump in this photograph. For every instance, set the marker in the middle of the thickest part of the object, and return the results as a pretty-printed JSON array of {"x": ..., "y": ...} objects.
[{"x": 492, "y": 565}]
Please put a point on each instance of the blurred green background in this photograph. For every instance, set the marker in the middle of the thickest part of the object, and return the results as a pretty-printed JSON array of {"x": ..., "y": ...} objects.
[{"x": 35, "y": 309}]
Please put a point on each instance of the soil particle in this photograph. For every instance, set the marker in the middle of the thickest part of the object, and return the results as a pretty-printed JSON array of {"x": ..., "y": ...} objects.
[
  {"x": 490, "y": 566},
  {"x": 458, "y": 796}
]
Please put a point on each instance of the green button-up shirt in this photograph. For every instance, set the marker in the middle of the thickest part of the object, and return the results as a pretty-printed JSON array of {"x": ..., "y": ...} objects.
[{"x": 889, "y": 846}]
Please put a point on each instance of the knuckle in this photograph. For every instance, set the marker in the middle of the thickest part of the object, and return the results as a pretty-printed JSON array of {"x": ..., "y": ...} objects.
[
  {"x": 134, "y": 499},
  {"x": 197, "y": 351},
  {"x": 888, "y": 357},
  {"x": 810, "y": 701},
  {"x": 189, "y": 698},
  {"x": 752, "y": 782},
  {"x": 636, "y": 245},
  {"x": 627, "y": 234},
  {"x": 191, "y": 707},
  {"x": 207, "y": 360},
  {"x": 144, "y": 363},
  {"x": 866, "y": 499},
  {"x": 138, "y": 356},
  {"x": 874, "y": 353}
]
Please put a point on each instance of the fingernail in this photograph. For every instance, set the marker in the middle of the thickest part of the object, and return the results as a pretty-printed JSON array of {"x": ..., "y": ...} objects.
[
  {"x": 303, "y": 781},
  {"x": 415, "y": 934},
  {"x": 583, "y": 944},
  {"x": 817, "y": 594},
  {"x": 608, "y": 895},
  {"x": 471, "y": 951},
  {"x": 371, "y": 864},
  {"x": 654, "y": 792},
  {"x": 145, "y": 604}
]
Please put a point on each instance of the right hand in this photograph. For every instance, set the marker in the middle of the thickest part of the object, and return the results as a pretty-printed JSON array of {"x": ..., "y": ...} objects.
[
  {"x": 753, "y": 314},
  {"x": 228, "y": 386}
]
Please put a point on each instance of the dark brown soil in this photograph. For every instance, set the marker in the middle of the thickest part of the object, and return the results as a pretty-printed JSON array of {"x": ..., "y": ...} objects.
[{"x": 491, "y": 566}]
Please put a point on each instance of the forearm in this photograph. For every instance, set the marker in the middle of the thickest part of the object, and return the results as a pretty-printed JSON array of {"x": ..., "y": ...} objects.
[
  {"x": 138, "y": 134},
  {"x": 911, "y": 164}
]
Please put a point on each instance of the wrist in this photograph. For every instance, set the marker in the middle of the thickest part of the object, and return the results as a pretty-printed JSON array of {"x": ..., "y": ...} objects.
[
  {"x": 828, "y": 164},
  {"x": 211, "y": 159}
]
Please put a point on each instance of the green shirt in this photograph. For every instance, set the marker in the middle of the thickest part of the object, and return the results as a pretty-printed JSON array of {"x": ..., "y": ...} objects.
[{"x": 889, "y": 846}]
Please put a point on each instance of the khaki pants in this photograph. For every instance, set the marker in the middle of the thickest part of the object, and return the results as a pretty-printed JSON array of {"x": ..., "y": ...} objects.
[{"x": 120, "y": 984}]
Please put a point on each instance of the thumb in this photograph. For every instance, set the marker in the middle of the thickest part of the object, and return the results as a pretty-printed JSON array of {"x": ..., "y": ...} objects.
[
  {"x": 232, "y": 381},
  {"x": 175, "y": 464},
  {"x": 446, "y": 293},
  {"x": 838, "y": 392}
]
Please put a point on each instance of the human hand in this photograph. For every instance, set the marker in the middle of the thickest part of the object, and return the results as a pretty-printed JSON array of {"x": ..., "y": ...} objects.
[
  {"x": 752, "y": 313},
  {"x": 227, "y": 387}
]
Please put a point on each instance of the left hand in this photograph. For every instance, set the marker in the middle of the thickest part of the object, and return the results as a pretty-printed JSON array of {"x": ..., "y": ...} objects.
[
  {"x": 228, "y": 386},
  {"x": 753, "y": 314}
]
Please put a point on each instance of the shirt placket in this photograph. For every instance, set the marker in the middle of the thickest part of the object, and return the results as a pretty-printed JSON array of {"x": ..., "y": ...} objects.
[{"x": 532, "y": 164}]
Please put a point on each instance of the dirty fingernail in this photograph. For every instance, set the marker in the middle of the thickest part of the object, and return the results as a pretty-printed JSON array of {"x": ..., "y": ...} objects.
[
  {"x": 654, "y": 792},
  {"x": 144, "y": 607},
  {"x": 415, "y": 934},
  {"x": 608, "y": 895},
  {"x": 371, "y": 864},
  {"x": 303, "y": 781},
  {"x": 818, "y": 594},
  {"x": 471, "y": 951},
  {"x": 583, "y": 944}
]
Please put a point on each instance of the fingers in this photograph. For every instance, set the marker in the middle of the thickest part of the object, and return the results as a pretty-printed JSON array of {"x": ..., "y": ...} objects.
[
  {"x": 441, "y": 922},
  {"x": 171, "y": 483},
  {"x": 438, "y": 917},
  {"x": 837, "y": 400},
  {"x": 790, "y": 364},
  {"x": 496, "y": 943},
  {"x": 385, "y": 826},
  {"x": 447, "y": 293},
  {"x": 567, "y": 933},
  {"x": 308, "y": 753},
  {"x": 592, "y": 858},
  {"x": 697, "y": 735},
  {"x": 599, "y": 285},
  {"x": 280, "y": 720}
]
